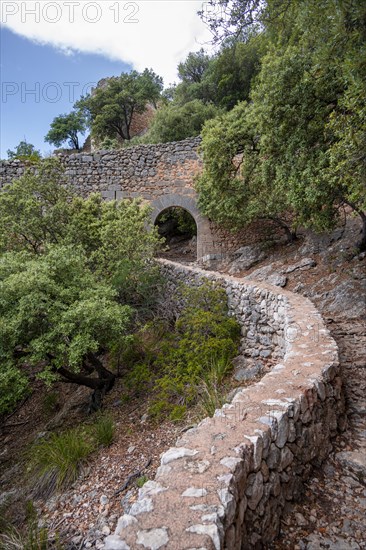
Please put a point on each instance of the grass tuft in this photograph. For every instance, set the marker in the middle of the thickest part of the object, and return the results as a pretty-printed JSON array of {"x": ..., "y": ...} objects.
[
  {"x": 211, "y": 390},
  {"x": 32, "y": 537},
  {"x": 104, "y": 430},
  {"x": 55, "y": 462}
]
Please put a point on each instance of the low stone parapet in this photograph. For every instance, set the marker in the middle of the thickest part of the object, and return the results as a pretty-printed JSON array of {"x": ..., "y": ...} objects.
[{"x": 227, "y": 481}]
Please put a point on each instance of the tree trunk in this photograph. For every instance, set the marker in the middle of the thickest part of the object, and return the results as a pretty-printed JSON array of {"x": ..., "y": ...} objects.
[
  {"x": 361, "y": 245},
  {"x": 291, "y": 235},
  {"x": 101, "y": 385}
]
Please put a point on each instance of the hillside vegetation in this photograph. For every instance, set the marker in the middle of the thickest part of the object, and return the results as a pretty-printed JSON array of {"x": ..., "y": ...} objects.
[
  {"x": 282, "y": 113},
  {"x": 280, "y": 106}
]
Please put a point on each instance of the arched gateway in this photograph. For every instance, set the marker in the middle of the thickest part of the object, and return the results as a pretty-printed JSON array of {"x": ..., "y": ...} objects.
[{"x": 190, "y": 205}]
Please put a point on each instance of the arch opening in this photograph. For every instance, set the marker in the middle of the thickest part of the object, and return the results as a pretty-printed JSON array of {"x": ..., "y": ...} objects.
[{"x": 178, "y": 228}]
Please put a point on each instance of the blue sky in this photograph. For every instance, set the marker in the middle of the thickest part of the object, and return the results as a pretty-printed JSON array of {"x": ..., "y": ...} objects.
[
  {"x": 39, "y": 83},
  {"x": 50, "y": 55}
]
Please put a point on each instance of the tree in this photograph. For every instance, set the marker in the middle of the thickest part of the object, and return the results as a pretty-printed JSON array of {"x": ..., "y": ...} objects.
[
  {"x": 307, "y": 117},
  {"x": 222, "y": 79},
  {"x": 233, "y": 69},
  {"x": 69, "y": 287},
  {"x": 236, "y": 187},
  {"x": 34, "y": 211},
  {"x": 57, "y": 318},
  {"x": 111, "y": 107},
  {"x": 66, "y": 128},
  {"x": 24, "y": 151},
  {"x": 237, "y": 19},
  {"x": 174, "y": 122},
  {"x": 194, "y": 67}
]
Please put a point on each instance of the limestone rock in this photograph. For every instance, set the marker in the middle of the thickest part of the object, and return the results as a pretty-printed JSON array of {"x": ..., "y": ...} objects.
[
  {"x": 141, "y": 506},
  {"x": 246, "y": 257},
  {"x": 153, "y": 539},
  {"x": 305, "y": 263},
  {"x": 174, "y": 453},
  {"x": 195, "y": 493},
  {"x": 210, "y": 530},
  {"x": 355, "y": 461},
  {"x": 114, "y": 542},
  {"x": 124, "y": 521},
  {"x": 244, "y": 374}
]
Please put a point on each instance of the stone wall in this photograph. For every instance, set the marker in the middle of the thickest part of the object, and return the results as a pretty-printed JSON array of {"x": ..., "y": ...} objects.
[
  {"x": 162, "y": 175},
  {"x": 227, "y": 481},
  {"x": 146, "y": 171},
  {"x": 11, "y": 170}
]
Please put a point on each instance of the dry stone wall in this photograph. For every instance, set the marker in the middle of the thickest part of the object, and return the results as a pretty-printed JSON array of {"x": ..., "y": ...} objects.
[
  {"x": 162, "y": 175},
  {"x": 227, "y": 481}
]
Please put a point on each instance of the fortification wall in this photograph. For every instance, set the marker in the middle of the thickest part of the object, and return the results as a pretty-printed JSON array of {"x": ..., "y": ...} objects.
[{"x": 227, "y": 481}]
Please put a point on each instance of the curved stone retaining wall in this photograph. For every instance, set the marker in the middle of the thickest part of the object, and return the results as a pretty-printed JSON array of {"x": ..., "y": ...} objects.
[{"x": 227, "y": 481}]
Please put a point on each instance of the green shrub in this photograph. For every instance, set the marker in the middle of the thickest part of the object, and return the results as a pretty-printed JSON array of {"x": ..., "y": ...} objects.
[
  {"x": 104, "y": 430},
  {"x": 137, "y": 379},
  {"x": 203, "y": 344},
  {"x": 56, "y": 462},
  {"x": 13, "y": 386},
  {"x": 50, "y": 403}
]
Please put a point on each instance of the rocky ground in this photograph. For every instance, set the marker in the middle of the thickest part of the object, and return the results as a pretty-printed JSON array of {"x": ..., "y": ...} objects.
[{"x": 332, "y": 511}]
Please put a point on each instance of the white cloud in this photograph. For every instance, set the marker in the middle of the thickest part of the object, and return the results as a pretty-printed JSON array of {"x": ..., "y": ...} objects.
[{"x": 157, "y": 34}]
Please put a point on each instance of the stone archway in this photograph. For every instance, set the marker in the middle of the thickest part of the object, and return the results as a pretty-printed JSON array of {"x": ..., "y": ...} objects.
[{"x": 190, "y": 205}]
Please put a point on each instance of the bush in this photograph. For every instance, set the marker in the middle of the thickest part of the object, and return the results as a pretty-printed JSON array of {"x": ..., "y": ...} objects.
[
  {"x": 50, "y": 403},
  {"x": 177, "y": 122},
  {"x": 201, "y": 348},
  {"x": 13, "y": 386}
]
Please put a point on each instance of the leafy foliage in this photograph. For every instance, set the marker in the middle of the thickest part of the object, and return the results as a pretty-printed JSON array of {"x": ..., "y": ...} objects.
[
  {"x": 34, "y": 209},
  {"x": 13, "y": 386},
  {"x": 297, "y": 147},
  {"x": 209, "y": 86},
  {"x": 180, "y": 359},
  {"x": 111, "y": 107},
  {"x": 56, "y": 311},
  {"x": 174, "y": 122},
  {"x": 66, "y": 128},
  {"x": 194, "y": 67},
  {"x": 224, "y": 78},
  {"x": 69, "y": 288},
  {"x": 24, "y": 151}
]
